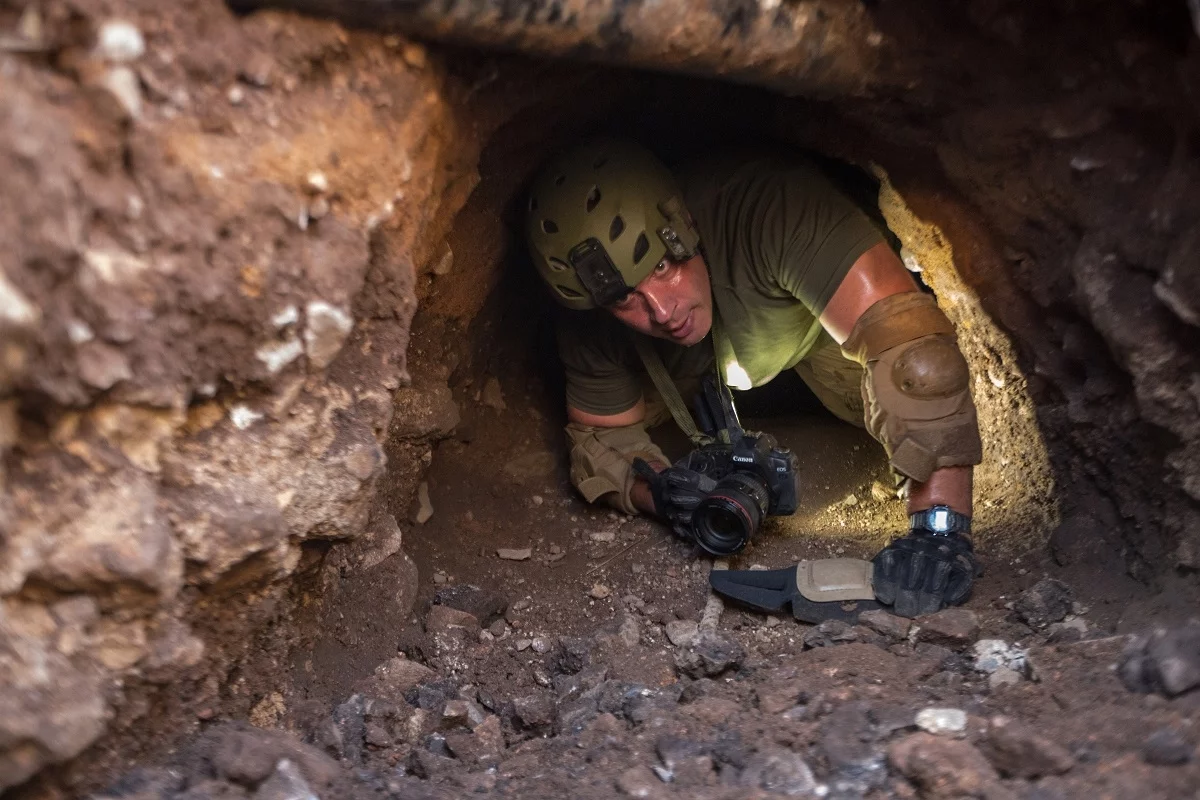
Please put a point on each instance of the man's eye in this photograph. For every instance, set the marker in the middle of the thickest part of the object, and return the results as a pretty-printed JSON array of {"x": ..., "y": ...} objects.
[{"x": 663, "y": 267}]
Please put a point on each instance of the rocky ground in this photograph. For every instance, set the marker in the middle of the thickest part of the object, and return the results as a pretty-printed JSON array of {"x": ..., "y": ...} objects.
[
  {"x": 1027, "y": 702},
  {"x": 560, "y": 650}
]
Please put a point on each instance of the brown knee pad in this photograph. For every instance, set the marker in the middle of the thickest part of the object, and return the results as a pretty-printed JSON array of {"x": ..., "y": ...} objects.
[{"x": 916, "y": 388}]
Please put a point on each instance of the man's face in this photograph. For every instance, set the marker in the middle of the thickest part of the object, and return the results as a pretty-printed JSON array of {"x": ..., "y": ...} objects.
[{"x": 674, "y": 302}]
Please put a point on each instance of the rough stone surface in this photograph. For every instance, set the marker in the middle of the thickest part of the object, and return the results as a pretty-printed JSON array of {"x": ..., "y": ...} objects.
[
  {"x": 1015, "y": 750},
  {"x": 1045, "y": 602},
  {"x": 954, "y": 628},
  {"x": 1166, "y": 660},
  {"x": 214, "y": 391},
  {"x": 887, "y": 625},
  {"x": 945, "y": 768}
]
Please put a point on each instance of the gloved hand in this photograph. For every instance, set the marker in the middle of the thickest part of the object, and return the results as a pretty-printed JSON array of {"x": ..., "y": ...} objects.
[
  {"x": 676, "y": 492},
  {"x": 922, "y": 572}
]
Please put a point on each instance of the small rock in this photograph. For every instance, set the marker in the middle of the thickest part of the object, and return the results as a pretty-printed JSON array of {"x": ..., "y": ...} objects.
[
  {"x": 442, "y": 618},
  {"x": 600, "y": 591},
  {"x": 522, "y": 644},
  {"x": 951, "y": 627},
  {"x": 1069, "y": 630},
  {"x": 882, "y": 493},
  {"x": 944, "y": 768},
  {"x": 1166, "y": 660},
  {"x": 285, "y": 783},
  {"x": 541, "y": 645},
  {"x": 603, "y": 536},
  {"x": 772, "y": 622},
  {"x": 850, "y": 500},
  {"x": 119, "y": 42},
  {"x": 942, "y": 720},
  {"x": 424, "y": 510},
  {"x": 1003, "y": 677},
  {"x": 630, "y": 633},
  {"x": 993, "y": 654},
  {"x": 683, "y": 632},
  {"x": 1046, "y": 601},
  {"x": 636, "y": 568},
  {"x": 522, "y": 604},
  {"x": 122, "y": 83},
  {"x": 1018, "y": 752},
  {"x": 1166, "y": 748},
  {"x": 713, "y": 654},
  {"x": 316, "y": 183},
  {"x": 236, "y": 95},
  {"x": 486, "y": 637},
  {"x": 534, "y": 711},
  {"x": 778, "y": 771},
  {"x": 536, "y": 500},
  {"x": 440, "y": 578},
  {"x": 640, "y": 782},
  {"x": 497, "y": 628},
  {"x": 493, "y": 395},
  {"x": 484, "y": 604},
  {"x": 829, "y": 633},
  {"x": 887, "y": 625},
  {"x": 514, "y": 554},
  {"x": 455, "y": 714}
]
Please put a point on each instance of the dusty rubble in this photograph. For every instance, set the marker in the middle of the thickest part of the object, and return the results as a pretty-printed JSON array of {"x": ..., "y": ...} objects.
[{"x": 837, "y": 712}]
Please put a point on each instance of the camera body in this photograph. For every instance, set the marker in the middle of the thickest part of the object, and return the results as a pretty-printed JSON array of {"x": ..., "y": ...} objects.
[
  {"x": 753, "y": 453},
  {"x": 754, "y": 475}
]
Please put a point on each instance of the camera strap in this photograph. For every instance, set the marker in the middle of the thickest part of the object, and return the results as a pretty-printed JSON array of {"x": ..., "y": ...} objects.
[{"x": 666, "y": 386}]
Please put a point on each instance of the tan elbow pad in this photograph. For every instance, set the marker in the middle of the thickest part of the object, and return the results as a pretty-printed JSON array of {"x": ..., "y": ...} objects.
[
  {"x": 916, "y": 386},
  {"x": 602, "y": 461}
]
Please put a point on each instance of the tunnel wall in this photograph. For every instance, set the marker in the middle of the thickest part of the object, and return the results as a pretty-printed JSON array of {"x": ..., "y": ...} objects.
[{"x": 220, "y": 228}]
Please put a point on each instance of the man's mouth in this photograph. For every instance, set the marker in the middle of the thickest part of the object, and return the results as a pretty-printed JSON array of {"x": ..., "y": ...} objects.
[{"x": 683, "y": 329}]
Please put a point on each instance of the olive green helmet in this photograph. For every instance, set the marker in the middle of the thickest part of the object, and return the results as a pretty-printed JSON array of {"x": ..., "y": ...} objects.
[{"x": 601, "y": 218}]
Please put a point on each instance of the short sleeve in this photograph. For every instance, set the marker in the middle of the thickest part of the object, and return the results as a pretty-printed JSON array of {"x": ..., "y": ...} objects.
[
  {"x": 596, "y": 358},
  {"x": 820, "y": 232}
]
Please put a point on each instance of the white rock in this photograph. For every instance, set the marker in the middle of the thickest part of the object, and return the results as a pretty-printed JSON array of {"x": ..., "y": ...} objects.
[
  {"x": 277, "y": 355},
  {"x": 119, "y": 42},
  {"x": 993, "y": 654},
  {"x": 523, "y": 644},
  {"x": 317, "y": 183},
  {"x": 424, "y": 506},
  {"x": 1003, "y": 676},
  {"x": 77, "y": 330},
  {"x": 243, "y": 416},
  {"x": 14, "y": 308},
  {"x": 600, "y": 591},
  {"x": 236, "y": 95},
  {"x": 603, "y": 536},
  {"x": 325, "y": 332},
  {"x": 541, "y": 645},
  {"x": 942, "y": 720},
  {"x": 286, "y": 316},
  {"x": 682, "y": 632},
  {"x": 122, "y": 83},
  {"x": 514, "y": 553}
]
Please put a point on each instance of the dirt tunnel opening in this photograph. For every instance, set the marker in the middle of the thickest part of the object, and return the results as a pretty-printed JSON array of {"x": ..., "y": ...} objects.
[
  {"x": 331, "y": 274},
  {"x": 499, "y": 479}
]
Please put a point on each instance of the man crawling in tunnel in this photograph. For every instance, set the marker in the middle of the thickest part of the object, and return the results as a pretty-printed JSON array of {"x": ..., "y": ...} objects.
[{"x": 748, "y": 266}]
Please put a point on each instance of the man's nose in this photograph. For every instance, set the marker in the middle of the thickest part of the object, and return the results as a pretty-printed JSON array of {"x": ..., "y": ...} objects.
[{"x": 659, "y": 305}]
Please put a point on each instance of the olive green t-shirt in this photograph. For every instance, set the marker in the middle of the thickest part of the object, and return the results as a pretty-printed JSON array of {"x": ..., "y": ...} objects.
[{"x": 778, "y": 238}]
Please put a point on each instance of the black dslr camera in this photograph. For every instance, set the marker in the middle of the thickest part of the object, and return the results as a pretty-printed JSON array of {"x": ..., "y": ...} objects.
[{"x": 755, "y": 476}]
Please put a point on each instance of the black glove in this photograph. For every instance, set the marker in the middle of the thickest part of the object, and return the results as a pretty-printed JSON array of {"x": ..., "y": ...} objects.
[
  {"x": 922, "y": 572},
  {"x": 676, "y": 492}
]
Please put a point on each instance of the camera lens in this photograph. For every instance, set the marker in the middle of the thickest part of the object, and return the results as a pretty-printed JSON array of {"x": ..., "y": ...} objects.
[{"x": 724, "y": 521}]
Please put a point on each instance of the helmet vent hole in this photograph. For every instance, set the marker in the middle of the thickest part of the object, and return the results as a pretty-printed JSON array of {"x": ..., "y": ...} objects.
[
  {"x": 568, "y": 293},
  {"x": 640, "y": 247},
  {"x": 560, "y": 180},
  {"x": 616, "y": 228},
  {"x": 548, "y": 226},
  {"x": 557, "y": 265},
  {"x": 599, "y": 162},
  {"x": 593, "y": 199}
]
